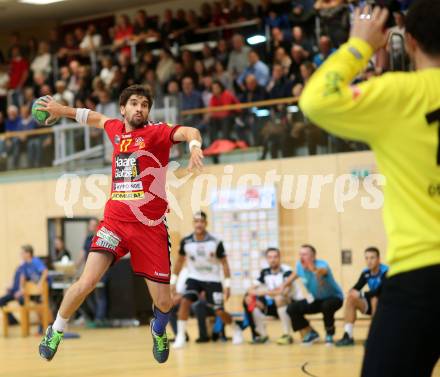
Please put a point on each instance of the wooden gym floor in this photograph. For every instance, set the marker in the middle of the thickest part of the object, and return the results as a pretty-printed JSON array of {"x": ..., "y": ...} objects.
[{"x": 127, "y": 352}]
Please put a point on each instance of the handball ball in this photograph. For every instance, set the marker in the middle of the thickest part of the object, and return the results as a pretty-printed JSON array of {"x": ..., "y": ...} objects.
[{"x": 42, "y": 117}]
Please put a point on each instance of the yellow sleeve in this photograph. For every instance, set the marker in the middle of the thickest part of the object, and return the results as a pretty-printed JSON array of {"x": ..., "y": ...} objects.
[{"x": 359, "y": 112}]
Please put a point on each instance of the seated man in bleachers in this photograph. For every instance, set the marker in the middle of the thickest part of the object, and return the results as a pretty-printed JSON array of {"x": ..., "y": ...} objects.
[
  {"x": 365, "y": 302},
  {"x": 31, "y": 269},
  {"x": 317, "y": 277},
  {"x": 267, "y": 297}
]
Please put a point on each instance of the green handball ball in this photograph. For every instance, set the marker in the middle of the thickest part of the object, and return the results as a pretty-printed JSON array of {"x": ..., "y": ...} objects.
[{"x": 41, "y": 116}]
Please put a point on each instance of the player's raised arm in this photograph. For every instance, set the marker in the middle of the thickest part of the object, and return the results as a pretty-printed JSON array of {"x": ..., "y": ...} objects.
[
  {"x": 192, "y": 136},
  {"x": 81, "y": 115}
]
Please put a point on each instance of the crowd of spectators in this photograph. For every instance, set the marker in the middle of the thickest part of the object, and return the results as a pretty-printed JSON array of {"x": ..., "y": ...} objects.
[{"x": 88, "y": 67}]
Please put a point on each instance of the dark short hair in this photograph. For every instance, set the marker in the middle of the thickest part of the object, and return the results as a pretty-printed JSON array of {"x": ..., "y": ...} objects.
[
  {"x": 372, "y": 249},
  {"x": 313, "y": 250},
  {"x": 422, "y": 22},
  {"x": 138, "y": 90},
  {"x": 201, "y": 214},
  {"x": 220, "y": 84},
  {"x": 270, "y": 249},
  {"x": 28, "y": 249}
]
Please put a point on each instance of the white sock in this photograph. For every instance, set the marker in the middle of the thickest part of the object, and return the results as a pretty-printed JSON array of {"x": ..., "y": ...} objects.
[
  {"x": 258, "y": 316},
  {"x": 60, "y": 323},
  {"x": 348, "y": 328},
  {"x": 285, "y": 320},
  {"x": 181, "y": 328}
]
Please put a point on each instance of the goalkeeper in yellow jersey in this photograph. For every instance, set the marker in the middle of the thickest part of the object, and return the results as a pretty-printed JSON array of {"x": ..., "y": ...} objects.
[{"x": 398, "y": 115}]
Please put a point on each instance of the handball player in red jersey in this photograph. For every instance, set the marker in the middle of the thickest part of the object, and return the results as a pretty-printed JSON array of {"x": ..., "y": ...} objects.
[{"x": 134, "y": 216}]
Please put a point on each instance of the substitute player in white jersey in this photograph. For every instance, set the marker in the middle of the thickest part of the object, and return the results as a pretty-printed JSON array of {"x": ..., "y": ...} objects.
[
  {"x": 206, "y": 259},
  {"x": 268, "y": 297}
]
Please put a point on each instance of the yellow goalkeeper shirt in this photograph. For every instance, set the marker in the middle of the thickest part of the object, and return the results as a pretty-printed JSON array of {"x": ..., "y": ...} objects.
[{"x": 398, "y": 115}]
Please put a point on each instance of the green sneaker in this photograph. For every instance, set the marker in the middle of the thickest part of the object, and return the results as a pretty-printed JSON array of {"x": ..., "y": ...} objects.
[
  {"x": 285, "y": 340},
  {"x": 49, "y": 345},
  {"x": 161, "y": 348}
]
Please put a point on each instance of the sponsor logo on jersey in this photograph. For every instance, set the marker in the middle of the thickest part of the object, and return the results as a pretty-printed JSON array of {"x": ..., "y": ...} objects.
[
  {"x": 117, "y": 139},
  {"x": 126, "y": 167},
  {"x": 127, "y": 136},
  {"x": 127, "y": 186},
  {"x": 133, "y": 195},
  {"x": 108, "y": 237},
  {"x": 139, "y": 142}
]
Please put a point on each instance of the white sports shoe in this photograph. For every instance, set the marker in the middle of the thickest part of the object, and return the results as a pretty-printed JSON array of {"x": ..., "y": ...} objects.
[
  {"x": 179, "y": 342},
  {"x": 237, "y": 338}
]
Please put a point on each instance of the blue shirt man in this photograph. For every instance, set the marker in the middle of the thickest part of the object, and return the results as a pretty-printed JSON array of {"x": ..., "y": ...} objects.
[
  {"x": 257, "y": 68},
  {"x": 321, "y": 287},
  {"x": 318, "y": 279}
]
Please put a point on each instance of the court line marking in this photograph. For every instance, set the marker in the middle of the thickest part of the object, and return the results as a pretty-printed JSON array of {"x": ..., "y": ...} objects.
[{"x": 304, "y": 370}]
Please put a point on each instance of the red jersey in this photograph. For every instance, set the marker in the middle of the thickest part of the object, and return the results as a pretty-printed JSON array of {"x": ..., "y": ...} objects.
[
  {"x": 17, "y": 70},
  {"x": 225, "y": 98},
  {"x": 139, "y": 168}
]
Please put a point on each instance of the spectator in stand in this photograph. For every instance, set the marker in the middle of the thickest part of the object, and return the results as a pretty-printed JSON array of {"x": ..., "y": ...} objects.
[
  {"x": 222, "y": 75},
  {"x": 42, "y": 61},
  {"x": 300, "y": 39},
  {"x": 238, "y": 58},
  {"x": 12, "y": 145},
  {"x": 73, "y": 83},
  {"x": 279, "y": 85},
  {"x": 169, "y": 24},
  {"x": 188, "y": 61},
  {"x": 165, "y": 66},
  {"x": 69, "y": 51},
  {"x": 179, "y": 71},
  {"x": 335, "y": 19},
  {"x": 64, "y": 74},
  {"x": 222, "y": 53},
  {"x": 39, "y": 79},
  {"x": 283, "y": 59},
  {"x": 191, "y": 99},
  {"x": 306, "y": 70},
  {"x": 2, "y": 125},
  {"x": 273, "y": 19},
  {"x": 279, "y": 39},
  {"x": 242, "y": 11},
  {"x": 106, "y": 106},
  {"x": 150, "y": 79},
  {"x": 14, "y": 41},
  {"x": 18, "y": 74},
  {"x": 30, "y": 49},
  {"x": 199, "y": 73},
  {"x": 54, "y": 41},
  {"x": 218, "y": 16},
  {"x": 298, "y": 57},
  {"x": 107, "y": 70},
  {"x": 208, "y": 58},
  {"x": 98, "y": 86},
  {"x": 264, "y": 8},
  {"x": 252, "y": 92},
  {"x": 33, "y": 143},
  {"x": 325, "y": 50},
  {"x": 173, "y": 93},
  {"x": 4, "y": 84},
  {"x": 257, "y": 68},
  {"x": 303, "y": 15},
  {"x": 28, "y": 96},
  {"x": 117, "y": 84},
  {"x": 144, "y": 27},
  {"x": 206, "y": 90},
  {"x": 123, "y": 33},
  {"x": 221, "y": 120},
  {"x": 62, "y": 93},
  {"x": 127, "y": 69},
  {"x": 205, "y": 15},
  {"x": 91, "y": 41}
]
